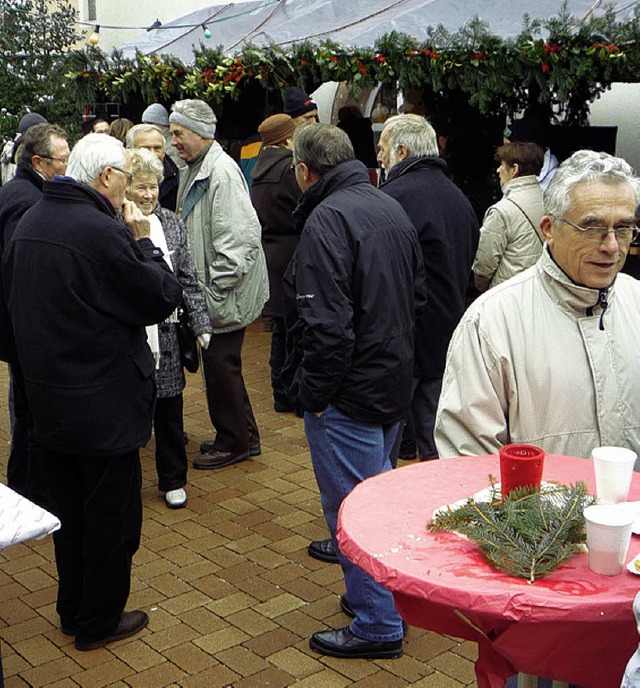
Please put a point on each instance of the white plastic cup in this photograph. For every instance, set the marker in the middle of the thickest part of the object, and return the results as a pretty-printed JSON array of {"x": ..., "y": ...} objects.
[
  {"x": 613, "y": 467},
  {"x": 608, "y": 536}
]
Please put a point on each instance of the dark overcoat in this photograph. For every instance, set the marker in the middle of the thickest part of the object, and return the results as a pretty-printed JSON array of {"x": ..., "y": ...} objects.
[
  {"x": 448, "y": 233},
  {"x": 80, "y": 290},
  {"x": 275, "y": 193}
]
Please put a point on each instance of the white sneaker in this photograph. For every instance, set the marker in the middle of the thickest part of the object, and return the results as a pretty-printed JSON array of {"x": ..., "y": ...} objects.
[{"x": 176, "y": 499}]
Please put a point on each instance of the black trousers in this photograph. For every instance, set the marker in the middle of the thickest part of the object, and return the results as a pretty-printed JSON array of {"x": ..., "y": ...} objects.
[
  {"x": 171, "y": 457},
  {"x": 276, "y": 361},
  {"x": 99, "y": 504},
  {"x": 26, "y": 471},
  {"x": 229, "y": 405}
]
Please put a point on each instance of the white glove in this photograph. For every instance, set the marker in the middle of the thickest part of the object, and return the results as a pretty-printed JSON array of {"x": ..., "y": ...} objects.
[{"x": 204, "y": 339}]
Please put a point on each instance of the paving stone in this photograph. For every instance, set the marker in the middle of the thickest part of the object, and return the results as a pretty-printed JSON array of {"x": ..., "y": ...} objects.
[
  {"x": 221, "y": 640},
  {"x": 218, "y": 676},
  {"x": 138, "y": 655},
  {"x": 272, "y": 641},
  {"x": 294, "y": 662},
  {"x": 243, "y": 661},
  {"x": 190, "y": 658},
  {"x": 268, "y": 677},
  {"x": 37, "y": 650},
  {"x": 50, "y": 672},
  {"x": 251, "y": 622}
]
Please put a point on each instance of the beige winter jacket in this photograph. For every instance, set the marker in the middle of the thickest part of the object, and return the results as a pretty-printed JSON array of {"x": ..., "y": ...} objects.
[
  {"x": 224, "y": 238},
  {"x": 509, "y": 243},
  {"x": 536, "y": 360}
]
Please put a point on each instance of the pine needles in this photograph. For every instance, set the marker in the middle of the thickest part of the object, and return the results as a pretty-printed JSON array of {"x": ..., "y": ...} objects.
[{"x": 529, "y": 534}]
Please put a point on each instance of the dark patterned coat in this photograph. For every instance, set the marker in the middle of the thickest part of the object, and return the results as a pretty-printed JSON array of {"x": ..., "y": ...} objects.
[{"x": 170, "y": 375}]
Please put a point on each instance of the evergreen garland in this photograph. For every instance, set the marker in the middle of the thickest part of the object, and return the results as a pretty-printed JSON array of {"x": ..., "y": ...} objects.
[{"x": 529, "y": 534}]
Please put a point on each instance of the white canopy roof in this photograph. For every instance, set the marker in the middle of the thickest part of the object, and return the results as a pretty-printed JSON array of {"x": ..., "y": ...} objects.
[{"x": 356, "y": 23}]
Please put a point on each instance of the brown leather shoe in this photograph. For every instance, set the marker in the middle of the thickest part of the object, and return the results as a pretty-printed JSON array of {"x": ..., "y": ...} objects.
[
  {"x": 218, "y": 459},
  {"x": 130, "y": 624}
]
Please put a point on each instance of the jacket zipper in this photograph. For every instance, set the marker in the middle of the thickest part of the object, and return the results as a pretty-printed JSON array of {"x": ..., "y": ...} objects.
[{"x": 603, "y": 303}]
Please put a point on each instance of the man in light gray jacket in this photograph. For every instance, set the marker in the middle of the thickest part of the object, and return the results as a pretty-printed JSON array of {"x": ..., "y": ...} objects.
[
  {"x": 550, "y": 357},
  {"x": 224, "y": 238}
]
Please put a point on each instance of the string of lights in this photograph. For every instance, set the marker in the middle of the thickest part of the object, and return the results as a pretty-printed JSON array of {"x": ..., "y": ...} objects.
[{"x": 157, "y": 25}]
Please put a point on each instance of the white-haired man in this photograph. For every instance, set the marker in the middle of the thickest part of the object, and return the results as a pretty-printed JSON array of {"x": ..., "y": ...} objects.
[
  {"x": 550, "y": 357},
  {"x": 224, "y": 238},
  {"x": 448, "y": 231},
  {"x": 80, "y": 288}
]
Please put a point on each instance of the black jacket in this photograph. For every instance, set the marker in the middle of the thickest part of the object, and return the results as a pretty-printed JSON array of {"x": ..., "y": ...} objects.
[
  {"x": 448, "y": 232},
  {"x": 351, "y": 294},
  {"x": 80, "y": 290},
  {"x": 16, "y": 197},
  {"x": 275, "y": 193},
  {"x": 168, "y": 195}
]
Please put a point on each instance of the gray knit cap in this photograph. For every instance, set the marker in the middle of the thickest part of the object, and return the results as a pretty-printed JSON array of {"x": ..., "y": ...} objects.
[
  {"x": 156, "y": 114},
  {"x": 196, "y": 116}
]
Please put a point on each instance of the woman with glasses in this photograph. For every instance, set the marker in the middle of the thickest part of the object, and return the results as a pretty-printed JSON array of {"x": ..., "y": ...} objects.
[
  {"x": 510, "y": 237},
  {"x": 168, "y": 234}
]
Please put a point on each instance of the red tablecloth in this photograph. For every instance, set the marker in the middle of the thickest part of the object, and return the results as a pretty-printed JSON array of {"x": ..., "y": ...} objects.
[{"x": 573, "y": 625}]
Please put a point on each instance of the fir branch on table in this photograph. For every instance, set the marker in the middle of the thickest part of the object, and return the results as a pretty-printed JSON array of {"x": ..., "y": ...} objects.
[{"x": 529, "y": 534}]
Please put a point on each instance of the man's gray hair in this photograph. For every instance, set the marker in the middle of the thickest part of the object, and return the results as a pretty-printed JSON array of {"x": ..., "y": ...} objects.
[
  {"x": 37, "y": 141},
  {"x": 414, "y": 133},
  {"x": 321, "y": 147},
  {"x": 140, "y": 129},
  {"x": 92, "y": 154},
  {"x": 582, "y": 167},
  {"x": 144, "y": 163}
]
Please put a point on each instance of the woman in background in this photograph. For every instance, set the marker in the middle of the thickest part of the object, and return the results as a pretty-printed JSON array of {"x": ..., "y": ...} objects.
[{"x": 510, "y": 236}]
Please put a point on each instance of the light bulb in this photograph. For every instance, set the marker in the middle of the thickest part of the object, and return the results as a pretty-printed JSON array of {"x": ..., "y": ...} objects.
[{"x": 94, "y": 38}]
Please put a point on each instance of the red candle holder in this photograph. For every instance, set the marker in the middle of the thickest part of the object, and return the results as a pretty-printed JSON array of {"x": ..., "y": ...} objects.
[{"x": 520, "y": 466}]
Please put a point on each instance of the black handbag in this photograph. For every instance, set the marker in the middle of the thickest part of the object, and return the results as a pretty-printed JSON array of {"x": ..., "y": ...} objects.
[{"x": 187, "y": 342}]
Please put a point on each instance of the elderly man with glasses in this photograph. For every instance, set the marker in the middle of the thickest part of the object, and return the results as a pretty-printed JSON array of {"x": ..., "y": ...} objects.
[
  {"x": 550, "y": 357},
  {"x": 81, "y": 286}
]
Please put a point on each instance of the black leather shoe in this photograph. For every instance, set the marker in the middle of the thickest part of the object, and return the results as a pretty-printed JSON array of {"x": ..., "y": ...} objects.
[
  {"x": 345, "y": 605},
  {"x": 130, "y": 624},
  {"x": 323, "y": 550},
  {"x": 346, "y": 608},
  {"x": 254, "y": 447},
  {"x": 341, "y": 642},
  {"x": 218, "y": 459}
]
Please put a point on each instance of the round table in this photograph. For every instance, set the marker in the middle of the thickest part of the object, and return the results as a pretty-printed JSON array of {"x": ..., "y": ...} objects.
[{"x": 572, "y": 625}]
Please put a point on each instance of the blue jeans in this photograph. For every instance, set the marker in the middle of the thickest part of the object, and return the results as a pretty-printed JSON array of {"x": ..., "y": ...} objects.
[{"x": 344, "y": 452}]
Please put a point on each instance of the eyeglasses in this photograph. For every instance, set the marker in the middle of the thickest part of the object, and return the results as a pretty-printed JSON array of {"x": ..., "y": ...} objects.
[
  {"x": 64, "y": 161},
  {"x": 624, "y": 235},
  {"x": 128, "y": 175}
]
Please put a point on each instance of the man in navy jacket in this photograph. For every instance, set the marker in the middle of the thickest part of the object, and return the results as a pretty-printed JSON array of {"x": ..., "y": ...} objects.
[
  {"x": 80, "y": 289},
  {"x": 351, "y": 294}
]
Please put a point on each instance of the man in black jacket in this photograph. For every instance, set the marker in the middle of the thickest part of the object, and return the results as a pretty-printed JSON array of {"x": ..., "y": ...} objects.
[
  {"x": 43, "y": 153},
  {"x": 80, "y": 288},
  {"x": 351, "y": 294},
  {"x": 448, "y": 232}
]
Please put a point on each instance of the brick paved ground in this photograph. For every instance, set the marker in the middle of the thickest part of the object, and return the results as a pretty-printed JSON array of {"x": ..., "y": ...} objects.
[{"x": 230, "y": 590}]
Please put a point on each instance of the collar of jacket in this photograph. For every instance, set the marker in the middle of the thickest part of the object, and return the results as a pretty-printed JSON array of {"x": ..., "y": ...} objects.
[
  {"x": 269, "y": 157},
  {"x": 517, "y": 183},
  {"x": 415, "y": 163},
  {"x": 349, "y": 173},
  {"x": 575, "y": 299},
  {"x": 68, "y": 190},
  {"x": 201, "y": 183},
  {"x": 27, "y": 172}
]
